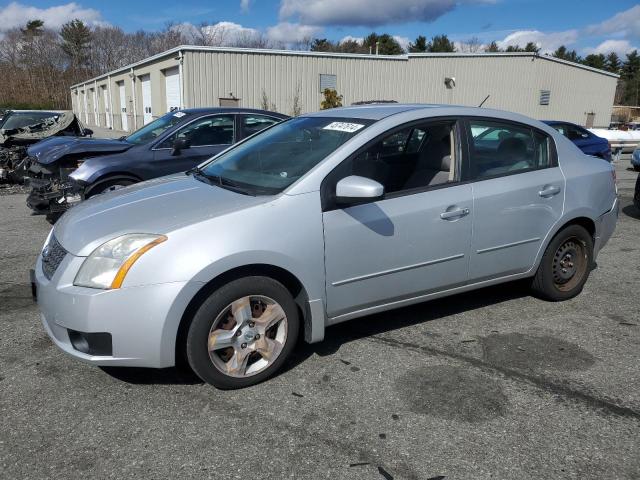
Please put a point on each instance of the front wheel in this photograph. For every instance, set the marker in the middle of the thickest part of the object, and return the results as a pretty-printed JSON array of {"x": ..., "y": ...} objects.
[
  {"x": 108, "y": 186},
  {"x": 243, "y": 333},
  {"x": 565, "y": 265}
]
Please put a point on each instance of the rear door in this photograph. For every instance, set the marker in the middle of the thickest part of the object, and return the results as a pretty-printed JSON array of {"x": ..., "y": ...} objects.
[
  {"x": 518, "y": 195},
  {"x": 206, "y": 136}
]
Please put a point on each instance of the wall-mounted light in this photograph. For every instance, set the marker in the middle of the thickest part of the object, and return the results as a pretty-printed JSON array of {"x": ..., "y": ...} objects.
[{"x": 450, "y": 82}]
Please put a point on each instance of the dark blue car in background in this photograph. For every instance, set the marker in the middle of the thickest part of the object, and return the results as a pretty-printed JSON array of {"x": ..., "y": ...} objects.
[
  {"x": 585, "y": 140},
  {"x": 65, "y": 170}
]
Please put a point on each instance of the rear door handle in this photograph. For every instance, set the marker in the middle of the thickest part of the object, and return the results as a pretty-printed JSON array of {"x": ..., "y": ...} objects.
[
  {"x": 549, "y": 191},
  {"x": 457, "y": 213}
]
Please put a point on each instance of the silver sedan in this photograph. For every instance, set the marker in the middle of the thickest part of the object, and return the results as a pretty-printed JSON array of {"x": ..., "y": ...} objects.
[{"x": 318, "y": 220}]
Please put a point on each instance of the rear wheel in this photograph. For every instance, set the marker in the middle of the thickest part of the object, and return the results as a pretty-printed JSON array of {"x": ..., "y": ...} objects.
[
  {"x": 243, "y": 333},
  {"x": 565, "y": 265}
]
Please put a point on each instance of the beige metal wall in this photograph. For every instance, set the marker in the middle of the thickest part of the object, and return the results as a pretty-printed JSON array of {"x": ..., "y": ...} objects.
[
  {"x": 133, "y": 92},
  {"x": 513, "y": 82}
]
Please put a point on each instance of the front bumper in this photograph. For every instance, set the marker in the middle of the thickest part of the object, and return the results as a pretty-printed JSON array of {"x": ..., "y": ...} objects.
[{"x": 141, "y": 321}]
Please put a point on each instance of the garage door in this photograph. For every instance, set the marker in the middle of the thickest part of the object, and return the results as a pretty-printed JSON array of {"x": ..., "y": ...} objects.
[
  {"x": 172, "y": 84},
  {"x": 145, "y": 81},
  {"x": 107, "y": 106},
  {"x": 123, "y": 106}
]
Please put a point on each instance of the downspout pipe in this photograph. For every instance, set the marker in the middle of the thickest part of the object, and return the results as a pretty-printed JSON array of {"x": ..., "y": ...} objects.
[{"x": 181, "y": 78}]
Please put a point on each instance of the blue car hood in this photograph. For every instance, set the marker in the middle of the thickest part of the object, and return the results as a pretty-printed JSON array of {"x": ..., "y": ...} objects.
[
  {"x": 53, "y": 149},
  {"x": 155, "y": 206}
]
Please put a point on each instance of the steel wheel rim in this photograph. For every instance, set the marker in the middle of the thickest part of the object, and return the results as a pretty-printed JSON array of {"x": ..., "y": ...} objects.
[
  {"x": 569, "y": 264},
  {"x": 247, "y": 336}
]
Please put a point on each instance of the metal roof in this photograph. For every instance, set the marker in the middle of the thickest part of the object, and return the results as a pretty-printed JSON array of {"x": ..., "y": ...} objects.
[{"x": 403, "y": 57}]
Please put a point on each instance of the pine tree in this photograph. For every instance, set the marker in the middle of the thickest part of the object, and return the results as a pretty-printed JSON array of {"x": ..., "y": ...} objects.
[
  {"x": 419, "y": 46},
  {"x": 613, "y": 63},
  {"x": 76, "y": 39},
  {"x": 441, "y": 43}
]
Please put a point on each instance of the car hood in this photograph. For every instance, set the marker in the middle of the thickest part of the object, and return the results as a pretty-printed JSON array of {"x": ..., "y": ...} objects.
[
  {"x": 52, "y": 149},
  {"x": 157, "y": 206}
]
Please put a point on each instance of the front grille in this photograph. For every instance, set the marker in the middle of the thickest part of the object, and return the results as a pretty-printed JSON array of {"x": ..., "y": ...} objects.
[{"x": 52, "y": 256}]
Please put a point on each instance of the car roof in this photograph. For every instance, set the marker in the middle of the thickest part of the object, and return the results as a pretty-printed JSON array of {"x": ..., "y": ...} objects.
[
  {"x": 205, "y": 110},
  {"x": 375, "y": 111}
]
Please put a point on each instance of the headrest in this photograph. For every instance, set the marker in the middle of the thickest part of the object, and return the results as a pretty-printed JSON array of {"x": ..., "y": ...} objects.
[{"x": 445, "y": 166}]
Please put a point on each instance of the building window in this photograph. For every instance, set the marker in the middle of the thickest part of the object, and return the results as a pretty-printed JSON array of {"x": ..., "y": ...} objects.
[
  {"x": 328, "y": 81},
  {"x": 545, "y": 95}
]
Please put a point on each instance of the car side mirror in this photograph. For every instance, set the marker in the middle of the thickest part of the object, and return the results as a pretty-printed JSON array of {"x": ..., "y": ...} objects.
[
  {"x": 356, "y": 189},
  {"x": 88, "y": 132},
  {"x": 180, "y": 144}
]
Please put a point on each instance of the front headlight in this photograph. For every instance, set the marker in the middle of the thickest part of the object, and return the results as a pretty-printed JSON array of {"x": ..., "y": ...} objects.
[{"x": 107, "y": 266}]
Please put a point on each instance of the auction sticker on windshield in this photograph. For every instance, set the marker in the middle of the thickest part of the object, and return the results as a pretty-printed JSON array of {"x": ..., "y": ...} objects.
[{"x": 344, "y": 127}]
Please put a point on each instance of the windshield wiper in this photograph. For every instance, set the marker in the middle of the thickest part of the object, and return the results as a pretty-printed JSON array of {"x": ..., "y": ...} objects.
[{"x": 217, "y": 180}]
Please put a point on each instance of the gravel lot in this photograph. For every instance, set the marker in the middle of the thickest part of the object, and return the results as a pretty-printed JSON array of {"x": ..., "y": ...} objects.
[{"x": 492, "y": 384}]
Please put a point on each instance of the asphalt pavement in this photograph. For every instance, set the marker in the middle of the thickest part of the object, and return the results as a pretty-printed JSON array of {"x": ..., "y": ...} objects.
[{"x": 489, "y": 384}]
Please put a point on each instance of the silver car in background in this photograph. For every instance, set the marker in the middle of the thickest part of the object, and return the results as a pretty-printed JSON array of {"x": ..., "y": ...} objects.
[{"x": 317, "y": 220}]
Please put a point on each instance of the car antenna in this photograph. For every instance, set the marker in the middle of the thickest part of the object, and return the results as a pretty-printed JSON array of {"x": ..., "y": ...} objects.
[{"x": 486, "y": 98}]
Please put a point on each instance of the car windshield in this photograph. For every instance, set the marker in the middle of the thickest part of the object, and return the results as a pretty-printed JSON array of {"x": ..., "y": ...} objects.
[
  {"x": 272, "y": 160},
  {"x": 14, "y": 120},
  {"x": 156, "y": 128}
]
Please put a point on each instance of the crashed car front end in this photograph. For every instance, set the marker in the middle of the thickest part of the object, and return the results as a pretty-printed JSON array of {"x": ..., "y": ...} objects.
[
  {"x": 52, "y": 190},
  {"x": 14, "y": 161}
]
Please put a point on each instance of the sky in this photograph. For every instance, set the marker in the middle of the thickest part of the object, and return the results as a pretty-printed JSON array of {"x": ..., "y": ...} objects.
[{"x": 588, "y": 26}]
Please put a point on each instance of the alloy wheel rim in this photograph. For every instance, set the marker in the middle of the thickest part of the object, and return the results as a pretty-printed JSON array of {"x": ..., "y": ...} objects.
[
  {"x": 569, "y": 264},
  {"x": 247, "y": 336}
]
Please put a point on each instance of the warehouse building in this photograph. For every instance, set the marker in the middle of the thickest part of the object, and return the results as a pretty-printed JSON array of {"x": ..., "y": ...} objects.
[{"x": 291, "y": 82}]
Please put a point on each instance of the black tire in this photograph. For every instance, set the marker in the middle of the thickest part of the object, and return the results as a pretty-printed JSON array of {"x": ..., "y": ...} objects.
[
  {"x": 565, "y": 265},
  {"x": 108, "y": 185},
  {"x": 197, "y": 349}
]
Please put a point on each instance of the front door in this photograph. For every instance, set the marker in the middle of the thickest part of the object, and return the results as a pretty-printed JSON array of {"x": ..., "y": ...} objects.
[
  {"x": 518, "y": 195},
  {"x": 412, "y": 242},
  {"x": 205, "y": 137}
]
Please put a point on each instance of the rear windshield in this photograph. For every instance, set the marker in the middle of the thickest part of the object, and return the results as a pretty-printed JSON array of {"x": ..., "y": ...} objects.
[
  {"x": 272, "y": 160},
  {"x": 153, "y": 130},
  {"x": 24, "y": 119}
]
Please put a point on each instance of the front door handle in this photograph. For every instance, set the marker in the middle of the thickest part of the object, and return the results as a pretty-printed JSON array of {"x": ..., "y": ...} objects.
[
  {"x": 549, "y": 191},
  {"x": 457, "y": 213}
]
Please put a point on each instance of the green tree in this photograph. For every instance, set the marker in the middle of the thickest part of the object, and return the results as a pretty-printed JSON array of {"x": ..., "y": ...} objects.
[
  {"x": 76, "y": 42},
  {"x": 331, "y": 99},
  {"x": 564, "y": 54},
  {"x": 33, "y": 28},
  {"x": 387, "y": 45},
  {"x": 595, "y": 60},
  {"x": 441, "y": 43},
  {"x": 514, "y": 48},
  {"x": 419, "y": 46},
  {"x": 631, "y": 66},
  {"x": 322, "y": 45},
  {"x": 613, "y": 63},
  {"x": 531, "y": 47},
  {"x": 492, "y": 47}
]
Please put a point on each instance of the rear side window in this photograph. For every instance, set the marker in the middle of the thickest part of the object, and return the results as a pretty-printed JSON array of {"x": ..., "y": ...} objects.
[
  {"x": 254, "y": 123},
  {"x": 498, "y": 148}
]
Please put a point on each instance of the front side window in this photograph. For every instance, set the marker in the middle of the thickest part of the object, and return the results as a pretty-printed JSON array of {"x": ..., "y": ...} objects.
[
  {"x": 415, "y": 157},
  {"x": 254, "y": 123},
  {"x": 215, "y": 130},
  {"x": 274, "y": 159},
  {"x": 498, "y": 148},
  {"x": 153, "y": 130}
]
